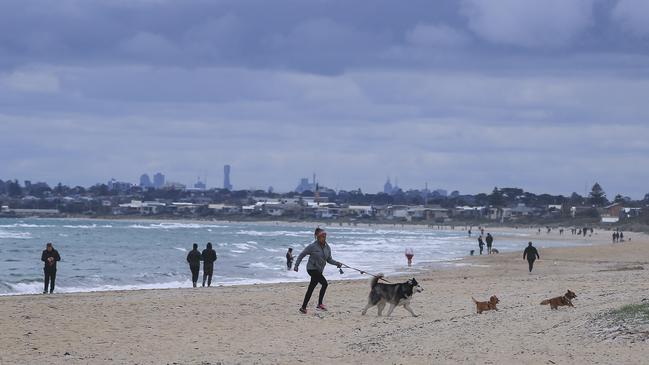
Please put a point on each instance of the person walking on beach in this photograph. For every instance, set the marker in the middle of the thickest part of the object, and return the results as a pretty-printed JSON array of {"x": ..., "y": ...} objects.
[
  {"x": 289, "y": 258},
  {"x": 490, "y": 240},
  {"x": 319, "y": 254},
  {"x": 531, "y": 254},
  {"x": 194, "y": 260},
  {"x": 208, "y": 256},
  {"x": 409, "y": 255},
  {"x": 480, "y": 244},
  {"x": 50, "y": 257}
]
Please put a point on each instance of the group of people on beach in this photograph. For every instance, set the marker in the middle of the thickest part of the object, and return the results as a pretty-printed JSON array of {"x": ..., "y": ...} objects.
[
  {"x": 194, "y": 258},
  {"x": 481, "y": 243},
  {"x": 618, "y": 236}
]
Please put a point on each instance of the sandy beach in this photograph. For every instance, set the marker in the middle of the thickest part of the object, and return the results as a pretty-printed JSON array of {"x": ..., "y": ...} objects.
[{"x": 261, "y": 324}]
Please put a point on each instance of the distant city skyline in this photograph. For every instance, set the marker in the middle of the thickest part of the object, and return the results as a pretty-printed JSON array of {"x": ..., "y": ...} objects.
[{"x": 549, "y": 96}]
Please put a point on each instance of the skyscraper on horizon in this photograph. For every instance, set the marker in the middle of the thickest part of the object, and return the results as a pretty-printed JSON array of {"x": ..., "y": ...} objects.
[
  {"x": 158, "y": 180},
  {"x": 145, "y": 181},
  {"x": 226, "y": 178}
]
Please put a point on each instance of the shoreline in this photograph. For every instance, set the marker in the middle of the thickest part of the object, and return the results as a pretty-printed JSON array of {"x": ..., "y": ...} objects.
[{"x": 419, "y": 269}]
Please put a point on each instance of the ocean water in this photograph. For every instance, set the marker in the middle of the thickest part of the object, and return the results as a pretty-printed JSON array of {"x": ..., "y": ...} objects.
[{"x": 122, "y": 255}]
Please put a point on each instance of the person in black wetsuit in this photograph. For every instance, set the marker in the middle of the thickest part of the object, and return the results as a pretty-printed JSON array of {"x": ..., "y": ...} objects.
[
  {"x": 480, "y": 244},
  {"x": 289, "y": 258},
  {"x": 50, "y": 257},
  {"x": 531, "y": 254},
  {"x": 208, "y": 256},
  {"x": 194, "y": 260}
]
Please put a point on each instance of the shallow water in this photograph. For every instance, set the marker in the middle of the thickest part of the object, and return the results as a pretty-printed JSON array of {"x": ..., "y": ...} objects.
[{"x": 117, "y": 254}]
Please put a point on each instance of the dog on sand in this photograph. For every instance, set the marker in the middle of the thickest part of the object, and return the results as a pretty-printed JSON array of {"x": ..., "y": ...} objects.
[
  {"x": 394, "y": 294},
  {"x": 486, "y": 306},
  {"x": 557, "y": 302}
]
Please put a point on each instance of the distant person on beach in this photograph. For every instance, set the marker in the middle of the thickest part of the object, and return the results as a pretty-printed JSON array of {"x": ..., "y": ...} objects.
[
  {"x": 469, "y": 232},
  {"x": 208, "y": 256},
  {"x": 50, "y": 257},
  {"x": 194, "y": 260},
  {"x": 531, "y": 254},
  {"x": 319, "y": 254},
  {"x": 409, "y": 255},
  {"x": 490, "y": 240},
  {"x": 480, "y": 244},
  {"x": 289, "y": 258}
]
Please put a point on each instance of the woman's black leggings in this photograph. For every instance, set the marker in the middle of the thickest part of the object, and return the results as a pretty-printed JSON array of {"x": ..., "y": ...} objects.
[{"x": 316, "y": 277}]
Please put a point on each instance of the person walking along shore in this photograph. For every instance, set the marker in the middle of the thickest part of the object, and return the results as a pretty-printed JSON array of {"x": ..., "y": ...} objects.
[
  {"x": 194, "y": 260},
  {"x": 50, "y": 257},
  {"x": 208, "y": 256},
  {"x": 531, "y": 254},
  {"x": 319, "y": 254}
]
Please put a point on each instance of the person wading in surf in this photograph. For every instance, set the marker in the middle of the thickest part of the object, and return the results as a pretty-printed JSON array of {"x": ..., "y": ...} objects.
[{"x": 319, "y": 254}]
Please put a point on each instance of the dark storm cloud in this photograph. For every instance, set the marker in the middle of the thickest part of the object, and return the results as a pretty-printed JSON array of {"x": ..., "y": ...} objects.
[{"x": 462, "y": 94}]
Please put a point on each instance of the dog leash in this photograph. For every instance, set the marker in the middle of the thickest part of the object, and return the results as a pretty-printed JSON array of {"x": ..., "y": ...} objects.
[{"x": 365, "y": 272}]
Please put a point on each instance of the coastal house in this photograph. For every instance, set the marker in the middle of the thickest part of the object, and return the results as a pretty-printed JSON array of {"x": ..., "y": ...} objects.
[{"x": 224, "y": 208}]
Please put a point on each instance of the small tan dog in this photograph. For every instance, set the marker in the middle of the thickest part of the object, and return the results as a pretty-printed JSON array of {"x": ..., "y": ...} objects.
[
  {"x": 557, "y": 302},
  {"x": 486, "y": 306}
]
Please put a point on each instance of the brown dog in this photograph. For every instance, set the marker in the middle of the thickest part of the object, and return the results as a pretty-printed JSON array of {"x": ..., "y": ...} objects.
[
  {"x": 560, "y": 301},
  {"x": 486, "y": 306}
]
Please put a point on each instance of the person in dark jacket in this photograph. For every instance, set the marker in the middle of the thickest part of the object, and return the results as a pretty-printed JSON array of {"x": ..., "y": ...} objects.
[
  {"x": 490, "y": 240},
  {"x": 50, "y": 257},
  {"x": 480, "y": 244},
  {"x": 194, "y": 260},
  {"x": 319, "y": 254},
  {"x": 208, "y": 256},
  {"x": 289, "y": 258},
  {"x": 531, "y": 254}
]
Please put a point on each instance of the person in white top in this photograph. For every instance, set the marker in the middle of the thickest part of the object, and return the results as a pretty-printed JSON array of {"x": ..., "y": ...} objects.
[{"x": 409, "y": 255}]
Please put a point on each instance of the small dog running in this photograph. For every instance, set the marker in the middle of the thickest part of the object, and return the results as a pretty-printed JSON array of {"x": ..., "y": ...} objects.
[
  {"x": 395, "y": 294},
  {"x": 486, "y": 306},
  {"x": 557, "y": 302}
]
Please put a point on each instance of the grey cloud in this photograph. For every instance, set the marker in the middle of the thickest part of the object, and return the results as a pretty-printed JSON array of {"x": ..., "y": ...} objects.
[
  {"x": 633, "y": 16},
  {"x": 529, "y": 23}
]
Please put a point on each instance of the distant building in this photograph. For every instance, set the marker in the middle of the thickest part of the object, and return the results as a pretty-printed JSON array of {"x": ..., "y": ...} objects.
[
  {"x": 305, "y": 185},
  {"x": 387, "y": 187},
  {"x": 158, "y": 181},
  {"x": 199, "y": 185},
  {"x": 145, "y": 181},
  {"x": 226, "y": 178},
  {"x": 114, "y": 185}
]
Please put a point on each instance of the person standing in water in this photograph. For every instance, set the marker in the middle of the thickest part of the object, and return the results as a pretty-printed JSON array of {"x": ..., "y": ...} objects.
[
  {"x": 490, "y": 240},
  {"x": 289, "y": 258},
  {"x": 50, "y": 257},
  {"x": 531, "y": 254},
  {"x": 194, "y": 260},
  {"x": 319, "y": 254},
  {"x": 208, "y": 256},
  {"x": 480, "y": 244},
  {"x": 409, "y": 255}
]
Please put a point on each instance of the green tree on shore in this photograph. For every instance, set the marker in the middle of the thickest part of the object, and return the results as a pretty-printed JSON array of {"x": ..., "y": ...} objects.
[{"x": 598, "y": 196}]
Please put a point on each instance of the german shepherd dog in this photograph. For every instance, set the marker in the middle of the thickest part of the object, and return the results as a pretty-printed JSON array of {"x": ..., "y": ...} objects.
[
  {"x": 395, "y": 294},
  {"x": 566, "y": 299},
  {"x": 486, "y": 306}
]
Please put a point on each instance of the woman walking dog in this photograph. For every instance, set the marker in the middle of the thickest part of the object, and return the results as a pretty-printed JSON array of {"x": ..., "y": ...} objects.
[{"x": 319, "y": 254}]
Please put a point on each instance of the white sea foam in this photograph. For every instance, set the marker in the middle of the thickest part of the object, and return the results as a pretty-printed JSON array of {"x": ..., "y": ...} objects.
[
  {"x": 15, "y": 235},
  {"x": 175, "y": 226}
]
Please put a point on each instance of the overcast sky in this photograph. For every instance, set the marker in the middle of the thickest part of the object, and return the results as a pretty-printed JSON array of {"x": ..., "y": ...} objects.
[{"x": 547, "y": 95}]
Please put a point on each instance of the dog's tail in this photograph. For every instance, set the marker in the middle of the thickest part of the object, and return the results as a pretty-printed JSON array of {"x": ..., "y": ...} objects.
[
  {"x": 545, "y": 302},
  {"x": 375, "y": 280},
  {"x": 474, "y": 301}
]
